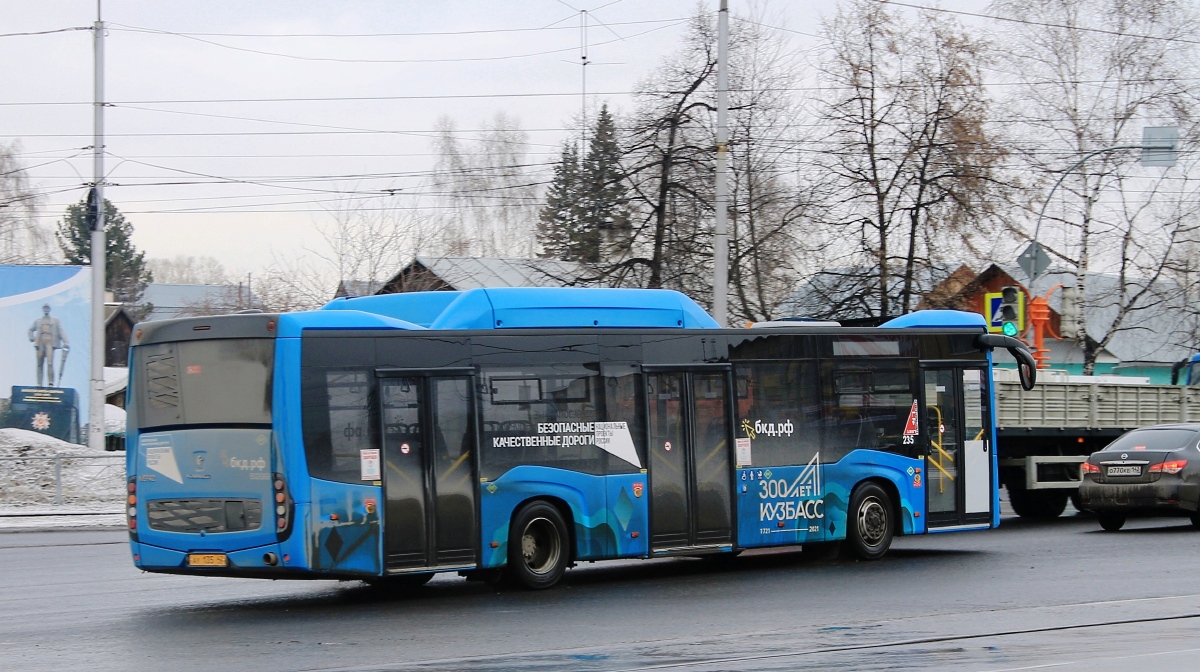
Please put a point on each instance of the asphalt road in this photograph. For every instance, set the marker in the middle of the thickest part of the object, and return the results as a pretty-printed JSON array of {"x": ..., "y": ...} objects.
[{"x": 1058, "y": 596}]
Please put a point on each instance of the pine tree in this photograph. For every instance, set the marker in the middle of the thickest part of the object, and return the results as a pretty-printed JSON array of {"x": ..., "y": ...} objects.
[
  {"x": 587, "y": 206},
  {"x": 559, "y": 221},
  {"x": 125, "y": 271},
  {"x": 604, "y": 195}
]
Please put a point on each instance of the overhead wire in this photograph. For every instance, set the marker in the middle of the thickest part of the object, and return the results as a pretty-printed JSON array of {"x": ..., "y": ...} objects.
[
  {"x": 46, "y": 32},
  {"x": 559, "y": 94},
  {"x": 459, "y": 59},
  {"x": 428, "y": 33}
]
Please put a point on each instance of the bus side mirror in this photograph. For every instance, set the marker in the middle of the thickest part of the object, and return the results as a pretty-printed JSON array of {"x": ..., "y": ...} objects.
[
  {"x": 1026, "y": 367},
  {"x": 1175, "y": 369}
]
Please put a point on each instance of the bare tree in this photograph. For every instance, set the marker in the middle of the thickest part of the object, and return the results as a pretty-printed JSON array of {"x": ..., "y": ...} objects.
[
  {"x": 188, "y": 270},
  {"x": 669, "y": 158},
  {"x": 366, "y": 243},
  {"x": 909, "y": 159},
  {"x": 768, "y": 208},
  {"x": 22, "y": 239},
  {"x": 1095, "y": 72},
  {"x": 484, "y": 190}
]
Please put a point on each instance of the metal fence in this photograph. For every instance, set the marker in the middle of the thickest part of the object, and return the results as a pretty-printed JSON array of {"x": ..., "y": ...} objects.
[{"x": 89, "y": 481}]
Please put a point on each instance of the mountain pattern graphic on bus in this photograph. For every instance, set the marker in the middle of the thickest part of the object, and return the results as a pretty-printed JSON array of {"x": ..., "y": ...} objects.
[
  {"x": 806, "y": 504},
  {"x": 610, "y": 519}
]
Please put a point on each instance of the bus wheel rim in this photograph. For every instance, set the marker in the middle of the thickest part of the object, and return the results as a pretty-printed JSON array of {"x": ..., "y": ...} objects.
[
  {"x": 872, "y": 521},
  {"x": 540, "y": 546}
]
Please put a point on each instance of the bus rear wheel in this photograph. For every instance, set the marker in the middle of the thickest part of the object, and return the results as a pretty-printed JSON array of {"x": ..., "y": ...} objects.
[
  {"x": 537, "y": 546},
  {"x": 869, "y": 523}
]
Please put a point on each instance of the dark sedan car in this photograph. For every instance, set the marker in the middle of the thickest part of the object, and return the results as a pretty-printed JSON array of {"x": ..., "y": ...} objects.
[{"x": 1153, "y": 470}]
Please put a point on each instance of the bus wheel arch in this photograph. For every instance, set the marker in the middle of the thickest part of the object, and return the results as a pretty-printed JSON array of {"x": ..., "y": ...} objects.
[
  {"x": 870, "y": 520},
  {"x": 893, "y": 493},
  {"x": 541, "y": 543}
]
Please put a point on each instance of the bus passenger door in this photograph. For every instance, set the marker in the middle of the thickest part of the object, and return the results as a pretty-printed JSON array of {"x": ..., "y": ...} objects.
[
  {"x": 429, "y": 484},
  {"x": 690, "y": 461},
  {"x": 959, "y": 458}
]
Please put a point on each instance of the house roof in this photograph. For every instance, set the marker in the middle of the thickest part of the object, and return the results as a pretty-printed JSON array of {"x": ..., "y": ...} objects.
[
  {"x": 351, "y": 288},
  {"x": 176, "y": 300},
  {"x": 464, "y": 273},
  {"x": 1154, "y": 332},
  {"x": 852, "y": 293}
]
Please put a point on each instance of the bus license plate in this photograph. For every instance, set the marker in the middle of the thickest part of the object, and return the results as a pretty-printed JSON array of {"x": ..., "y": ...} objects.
[
  {"x": 207, "y": 560},
  {"x": 1124, "y": 471}
]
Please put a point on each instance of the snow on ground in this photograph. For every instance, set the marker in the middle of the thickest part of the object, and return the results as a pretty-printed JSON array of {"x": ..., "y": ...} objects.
[
  {"x": 27, "y": 523},
  {"x": 28, "y": 474}
]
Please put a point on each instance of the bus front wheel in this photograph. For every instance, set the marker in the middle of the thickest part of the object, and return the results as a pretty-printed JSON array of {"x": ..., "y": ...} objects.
[
  {"x": 537, "y": 546},
  {"x": 869, "y": 523}
]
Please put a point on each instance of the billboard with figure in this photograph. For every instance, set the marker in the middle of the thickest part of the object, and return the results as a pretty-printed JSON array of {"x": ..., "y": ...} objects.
[{"x": 45, "y": 337}]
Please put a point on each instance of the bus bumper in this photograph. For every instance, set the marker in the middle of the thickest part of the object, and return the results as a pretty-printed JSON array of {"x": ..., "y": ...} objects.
[{"x": 269, "y": 561}]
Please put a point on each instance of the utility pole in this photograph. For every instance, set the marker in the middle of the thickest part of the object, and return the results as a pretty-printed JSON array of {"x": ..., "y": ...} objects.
[
  {"x": 95, "y": 438},
  {"x": 721, "y": 237}
]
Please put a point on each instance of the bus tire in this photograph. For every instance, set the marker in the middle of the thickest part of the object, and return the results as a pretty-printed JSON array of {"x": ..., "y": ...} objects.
[
  {"x": 537, "y": 546},
  {"x": 869, "y": 522},
  {"x": 1111, "y": 521},
  {"x": 1038, "y": 504}
]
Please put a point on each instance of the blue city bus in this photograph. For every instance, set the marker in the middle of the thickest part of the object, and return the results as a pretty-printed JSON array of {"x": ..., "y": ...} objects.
[{"x": 508, "y": 434}]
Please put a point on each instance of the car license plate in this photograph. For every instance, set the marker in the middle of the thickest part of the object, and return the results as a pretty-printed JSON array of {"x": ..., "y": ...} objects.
[
  {"x": 207, "y": 560},
  {"x": 1124, "y": 471}
]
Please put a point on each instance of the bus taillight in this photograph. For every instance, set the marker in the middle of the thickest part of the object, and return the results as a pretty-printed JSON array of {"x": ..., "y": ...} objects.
[
  {"x": 283, "y": 507},
  {"x": 131, "y": 507}
]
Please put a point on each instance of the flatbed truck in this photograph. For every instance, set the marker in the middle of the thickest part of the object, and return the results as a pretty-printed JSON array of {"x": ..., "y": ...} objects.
[{"x": 1044, "y": 434}]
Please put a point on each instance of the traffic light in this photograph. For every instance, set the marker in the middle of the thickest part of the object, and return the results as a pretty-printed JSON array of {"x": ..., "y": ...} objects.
[
  {"x": 1006, "y": 311},
  {"x": 1068, "y": 325},
  {"x": 1012, "y": 311}
]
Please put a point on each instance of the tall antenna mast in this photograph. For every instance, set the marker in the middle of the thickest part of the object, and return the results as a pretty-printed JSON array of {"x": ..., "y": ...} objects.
[{"x": 583, "y": 62}]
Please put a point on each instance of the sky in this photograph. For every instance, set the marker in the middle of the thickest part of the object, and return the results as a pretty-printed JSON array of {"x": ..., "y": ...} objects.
[{"x": 205, "y": 97}]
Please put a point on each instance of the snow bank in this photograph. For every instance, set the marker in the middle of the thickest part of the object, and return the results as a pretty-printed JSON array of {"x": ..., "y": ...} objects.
[
  {"x": 114, "y": 419},
  {"x": 29, "y": 475}
]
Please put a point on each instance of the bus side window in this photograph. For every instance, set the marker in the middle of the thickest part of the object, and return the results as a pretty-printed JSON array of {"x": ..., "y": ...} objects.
[
  {"x": 534, "y": 416},
  {"x": 779, "y": 411},
  {"x": 867, "y": 407},
  {"x": 337, "y": 411},
  {"x": 623, "y": 403}
]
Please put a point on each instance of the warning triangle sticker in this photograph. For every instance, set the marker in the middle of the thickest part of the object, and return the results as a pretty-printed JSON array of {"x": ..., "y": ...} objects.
[{"x": 910, "y": 427}]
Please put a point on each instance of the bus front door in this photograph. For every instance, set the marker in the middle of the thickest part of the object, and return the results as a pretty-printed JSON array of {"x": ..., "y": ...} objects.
[
  {"x": 958, "y": 462},
  {"x": 428, "y": 474},
  {"x": 690, "y": 477}
]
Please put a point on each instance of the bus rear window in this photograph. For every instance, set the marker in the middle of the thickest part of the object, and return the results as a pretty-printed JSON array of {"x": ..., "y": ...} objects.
[{"x": 222, "y": 381}]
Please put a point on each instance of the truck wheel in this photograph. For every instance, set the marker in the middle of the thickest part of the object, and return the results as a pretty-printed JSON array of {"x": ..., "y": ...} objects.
[
  {"x": 1196, "y": 520},
  {"x": 1038, "y": 504},
  {"x": 537, "y": 546},
  {"x": 1111, "y": 522},
  {"x": 869, "y": 523}
]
